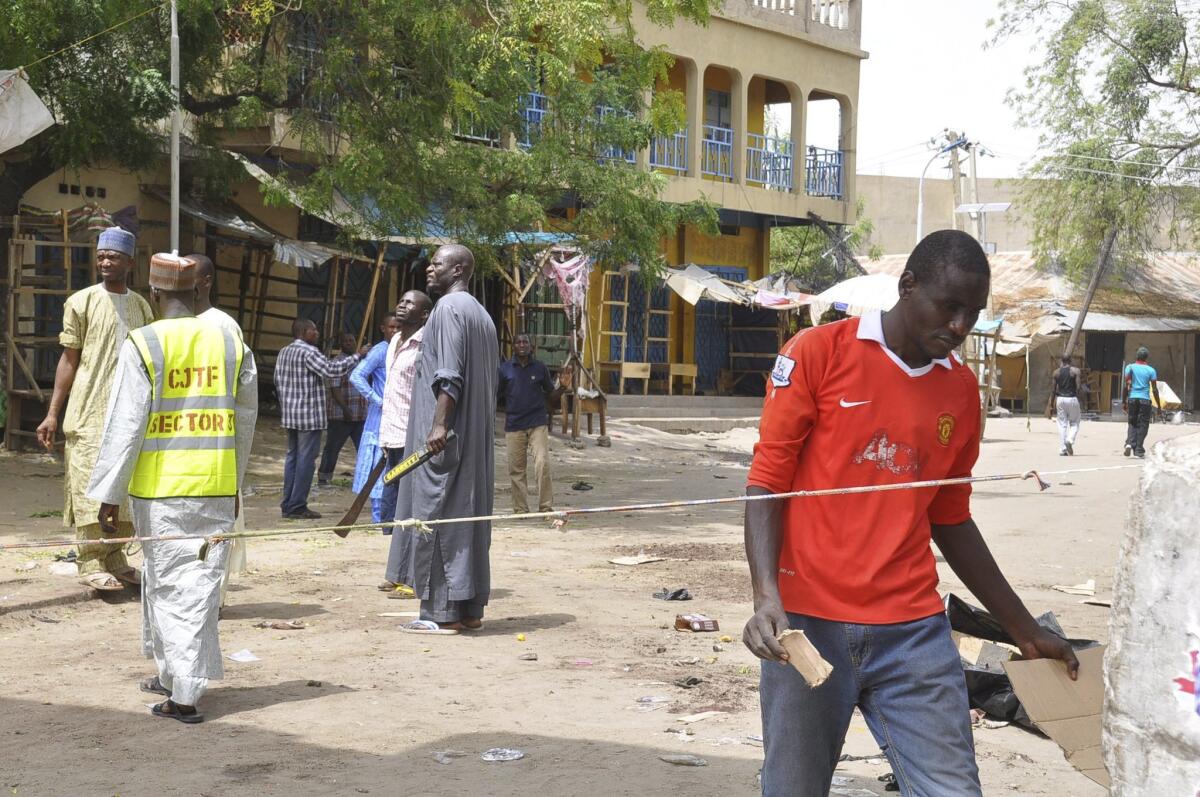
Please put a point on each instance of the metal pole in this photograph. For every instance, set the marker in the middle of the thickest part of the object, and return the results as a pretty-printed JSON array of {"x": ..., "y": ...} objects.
[
  {"x": 921, "y": 197},
  {"x": 176, "y": 124}
]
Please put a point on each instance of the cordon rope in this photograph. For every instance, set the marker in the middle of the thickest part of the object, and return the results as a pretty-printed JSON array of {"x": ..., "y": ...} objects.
[{"x": 562, "y": 516}]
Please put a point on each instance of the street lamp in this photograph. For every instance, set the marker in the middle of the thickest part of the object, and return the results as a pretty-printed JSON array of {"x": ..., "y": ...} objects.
[{"x": 958, "y": 142}]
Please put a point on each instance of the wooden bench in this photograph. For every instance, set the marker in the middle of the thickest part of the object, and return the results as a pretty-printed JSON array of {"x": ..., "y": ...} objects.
[
  {"x": 636, "y": 371},
  {"x": 685, "y": 371}
]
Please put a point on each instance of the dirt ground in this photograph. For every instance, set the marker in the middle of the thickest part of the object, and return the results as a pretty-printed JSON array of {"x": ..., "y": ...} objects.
[{"x": 349, "y": 705}]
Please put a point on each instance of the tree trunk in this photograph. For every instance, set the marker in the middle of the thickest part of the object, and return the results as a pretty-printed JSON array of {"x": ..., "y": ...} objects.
[
  {"x": 1097, "y": 274},
  {"x": 847, "y": 263}
]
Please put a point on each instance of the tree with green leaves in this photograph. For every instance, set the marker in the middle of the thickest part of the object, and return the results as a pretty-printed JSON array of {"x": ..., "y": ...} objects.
[
  {"x": 820, "y": 255},
  {"x": 1113, "y": 97},
  {"x": 379, "y": 94}
]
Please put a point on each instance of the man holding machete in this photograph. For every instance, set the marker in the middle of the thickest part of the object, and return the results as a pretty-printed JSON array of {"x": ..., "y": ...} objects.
[
  {"x": 876, "y": 400},
  {"x": 454, "y": 391}
]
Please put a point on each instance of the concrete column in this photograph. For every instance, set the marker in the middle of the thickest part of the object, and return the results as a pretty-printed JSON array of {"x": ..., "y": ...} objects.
[
  {"x": 738, "y": 99},
  {"x": 799, "y": 135},
  {"x": 1151, "y": 726},
  {"x": 848, "y": 143},
  {"x": 695, "y": 116}
]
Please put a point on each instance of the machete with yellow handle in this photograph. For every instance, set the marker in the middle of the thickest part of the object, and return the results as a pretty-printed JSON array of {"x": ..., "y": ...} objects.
[{"x": 406, "y": 466}]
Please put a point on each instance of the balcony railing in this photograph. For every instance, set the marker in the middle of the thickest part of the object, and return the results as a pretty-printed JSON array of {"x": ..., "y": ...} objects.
[
  {"x": 533, "y": 114},
  {"x": 824, "y": 169},
  {"x": 615, "y": 153},
  {"x": 834, "y": 13},
  {"x": 716, "y": 156},
  {"x": 477, "y": 132},
  {"x": 670, "y": 152},
  {"x": 769, "y": 161}
]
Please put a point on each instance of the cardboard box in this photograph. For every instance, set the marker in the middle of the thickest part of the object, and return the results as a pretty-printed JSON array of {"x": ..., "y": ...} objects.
[
  {"x": 1067, "y": 711},
  {"x": 695, "y": 622}
]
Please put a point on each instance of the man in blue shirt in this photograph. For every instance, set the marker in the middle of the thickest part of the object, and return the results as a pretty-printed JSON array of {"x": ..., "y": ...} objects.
[
  {"x": 524, "y": 386},
  {"x": 1140, "y": 381}
]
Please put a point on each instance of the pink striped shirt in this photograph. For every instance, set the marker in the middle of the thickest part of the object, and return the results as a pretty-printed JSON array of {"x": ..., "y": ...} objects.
[{"x": 397, "y": 391}]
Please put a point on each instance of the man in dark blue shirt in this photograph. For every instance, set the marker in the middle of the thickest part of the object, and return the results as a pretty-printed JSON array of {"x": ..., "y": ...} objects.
[{"x": 524, "y": 386}]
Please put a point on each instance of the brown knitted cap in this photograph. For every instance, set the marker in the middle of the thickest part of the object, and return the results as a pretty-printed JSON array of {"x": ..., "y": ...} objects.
[{"x": 170, "y": 272}]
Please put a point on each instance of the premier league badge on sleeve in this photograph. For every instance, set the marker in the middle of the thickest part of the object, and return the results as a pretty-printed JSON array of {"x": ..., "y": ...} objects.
[{"x": 781, "y": 374}]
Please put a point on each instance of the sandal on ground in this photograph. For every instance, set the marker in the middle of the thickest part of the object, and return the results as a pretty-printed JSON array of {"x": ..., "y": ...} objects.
[
  {"x": 428, "y": 627},
  {"x": 169, "y": 709},
  {"x": 472, "y": 624},
  {"x": 386, "y": 586},
  {"x": 154, "y": 686},
  {"x": 131, "y": 577},
  {"x": 103, "y": 582},
  {"x": 401, "y": 592}
]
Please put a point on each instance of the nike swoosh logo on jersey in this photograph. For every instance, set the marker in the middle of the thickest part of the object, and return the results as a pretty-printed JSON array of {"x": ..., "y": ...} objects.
[{"x": 848, "y": 404}]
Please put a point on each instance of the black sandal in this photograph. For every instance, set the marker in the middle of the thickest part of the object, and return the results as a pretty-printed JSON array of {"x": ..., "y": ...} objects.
[
  {"x": 154, "y": 687},
  {"x": 170, "y": 710}
]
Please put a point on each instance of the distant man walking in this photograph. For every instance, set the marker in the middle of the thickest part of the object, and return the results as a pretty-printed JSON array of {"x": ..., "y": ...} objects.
[
  {"x": 178, "y": 437},
  {"x": 876, "y": 400},
  {"x": 1141, "y": 380},
  {"x": 1067, "y": 386},
  {"x": 455, "y": 389},
  {"x": 96, "y": 321},
  {"x": 525, "y": 384},
  {"x": 300, "y": 374},
  {"x": 347, "y": 415}
]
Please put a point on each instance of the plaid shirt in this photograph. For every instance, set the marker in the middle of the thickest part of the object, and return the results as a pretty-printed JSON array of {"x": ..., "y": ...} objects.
[
  {"x": 398, "y": 389},
  {"x": 300, "y": 374},
  {"x": 355, "y": 402}
]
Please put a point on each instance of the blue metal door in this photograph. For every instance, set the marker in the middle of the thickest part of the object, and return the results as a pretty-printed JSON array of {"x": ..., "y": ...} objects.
[{"x": 712, "y": 331}]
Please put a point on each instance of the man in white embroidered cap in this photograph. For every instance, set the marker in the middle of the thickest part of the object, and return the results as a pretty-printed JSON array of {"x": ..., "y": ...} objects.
[
  {"x": 176, "y": 446},
  {"x": 95, "y": 322}
]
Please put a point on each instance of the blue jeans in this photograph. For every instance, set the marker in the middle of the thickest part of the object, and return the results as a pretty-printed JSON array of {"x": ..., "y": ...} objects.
[
  {"x": 908, "y": 682},
  {"x": 298, "y": 469},
  {"x": 387, "y": 509}
]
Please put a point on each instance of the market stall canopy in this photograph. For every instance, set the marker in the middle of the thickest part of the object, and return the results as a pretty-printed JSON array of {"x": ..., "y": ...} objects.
[
  {"x": 22, "y": 113},
  {"x": 695, "y": 283},
  {"x": 856, "y": 296},
  {"x": 289, "y": 251}
]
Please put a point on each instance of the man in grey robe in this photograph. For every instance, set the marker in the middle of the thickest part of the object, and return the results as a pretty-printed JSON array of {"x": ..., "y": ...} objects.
[
  {"x": 454, "y": 390},
  {"x": 180, "y": 593}
]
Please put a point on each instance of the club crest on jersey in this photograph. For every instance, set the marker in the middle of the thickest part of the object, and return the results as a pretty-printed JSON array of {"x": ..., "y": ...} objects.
[
  {"x": 945, "y": 428},
  {"x": 781, "y": 374}
]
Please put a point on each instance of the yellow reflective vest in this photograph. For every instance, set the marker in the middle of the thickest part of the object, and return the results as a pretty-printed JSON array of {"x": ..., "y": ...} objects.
[{"x": 189, "y": 448}]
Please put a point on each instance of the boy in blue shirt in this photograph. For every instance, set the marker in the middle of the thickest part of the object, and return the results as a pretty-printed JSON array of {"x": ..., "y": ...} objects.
[{"x": 1140, "y": 381}]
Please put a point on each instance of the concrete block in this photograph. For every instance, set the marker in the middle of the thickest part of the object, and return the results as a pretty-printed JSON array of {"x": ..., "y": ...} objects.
[{"x": 1151, "y": 724}]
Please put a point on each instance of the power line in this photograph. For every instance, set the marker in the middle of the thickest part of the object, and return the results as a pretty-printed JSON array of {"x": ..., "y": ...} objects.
[{"x": 93, "y": 36}]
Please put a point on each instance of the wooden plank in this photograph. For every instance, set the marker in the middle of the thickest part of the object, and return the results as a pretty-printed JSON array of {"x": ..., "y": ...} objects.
[
  {"x": 260, "y": 302},
  {"x": 368, "y": 311},
  {"x": 25, "y": 369}
]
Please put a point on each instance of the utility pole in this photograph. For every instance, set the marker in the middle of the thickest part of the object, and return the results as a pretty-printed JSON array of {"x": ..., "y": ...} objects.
[
  {"x": 956, "y": 176},
  {"x": 1101, "y": 266},
  {"x": 979, "y": 220},
  {"x": 176, "y": 124},
  {"x": 949, "y": 146}
]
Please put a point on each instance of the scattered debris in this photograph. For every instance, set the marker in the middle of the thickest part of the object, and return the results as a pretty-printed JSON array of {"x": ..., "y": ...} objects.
[
  {"x": 703, "y": 715},
  {"x": 502, "y": 754},
  {"x": 695, "y": 622},
  {"x": 683, "y": 734},
  {"x": 521, "y": 554},
  {"x": 687, "y": 662},
  {"x": 243, "y": 656},
  {"x": 1087, "y": 588},
  {"x": 43, "y": 619},
  {"x": 583, "y": 662},
  {"x": 653, "y": 699},
  {"x": 30, "y": 565},
  {"x": 63, "y": 568},
  {"x": 582, "y": 486},
  {"x": 684, "y": 760},
  {"x": 718, "y": 649},
  {"x": 641, "y": 559},
  {"x": 690, "y": 682},
  {"x": 314, "y": 683},
  {"x": 1105, "y": 602},
  {"x": 527, "y": 657},
  {"x": 282, "y": 625},
  {"x": 47, "y": 513},
  {"x": 754, "y": 740},
  {"x": 807, "y": 660},
  {"x": 520, "y": 637},
  {"x": 873, "y": 757},
  {"x": 726, "y": 639},
  {"x": 889, "y": 782},
  {"x": 399, "y": 614},
  {"x": 668, "y": 594},
  {"x": 446, "y": 756}
]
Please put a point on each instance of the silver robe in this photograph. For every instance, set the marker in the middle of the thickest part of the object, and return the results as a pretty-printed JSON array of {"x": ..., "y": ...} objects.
[
  {"x": 180, "y": 595},
  {"x": 459, "y": 354}
]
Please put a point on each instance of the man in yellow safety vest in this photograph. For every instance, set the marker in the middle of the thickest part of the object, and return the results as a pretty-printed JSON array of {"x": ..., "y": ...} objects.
[{"x": 178, "y": 436}]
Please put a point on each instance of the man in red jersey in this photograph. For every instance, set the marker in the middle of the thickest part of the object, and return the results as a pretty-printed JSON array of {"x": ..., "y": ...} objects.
[{"x": 876, "y": 400}]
